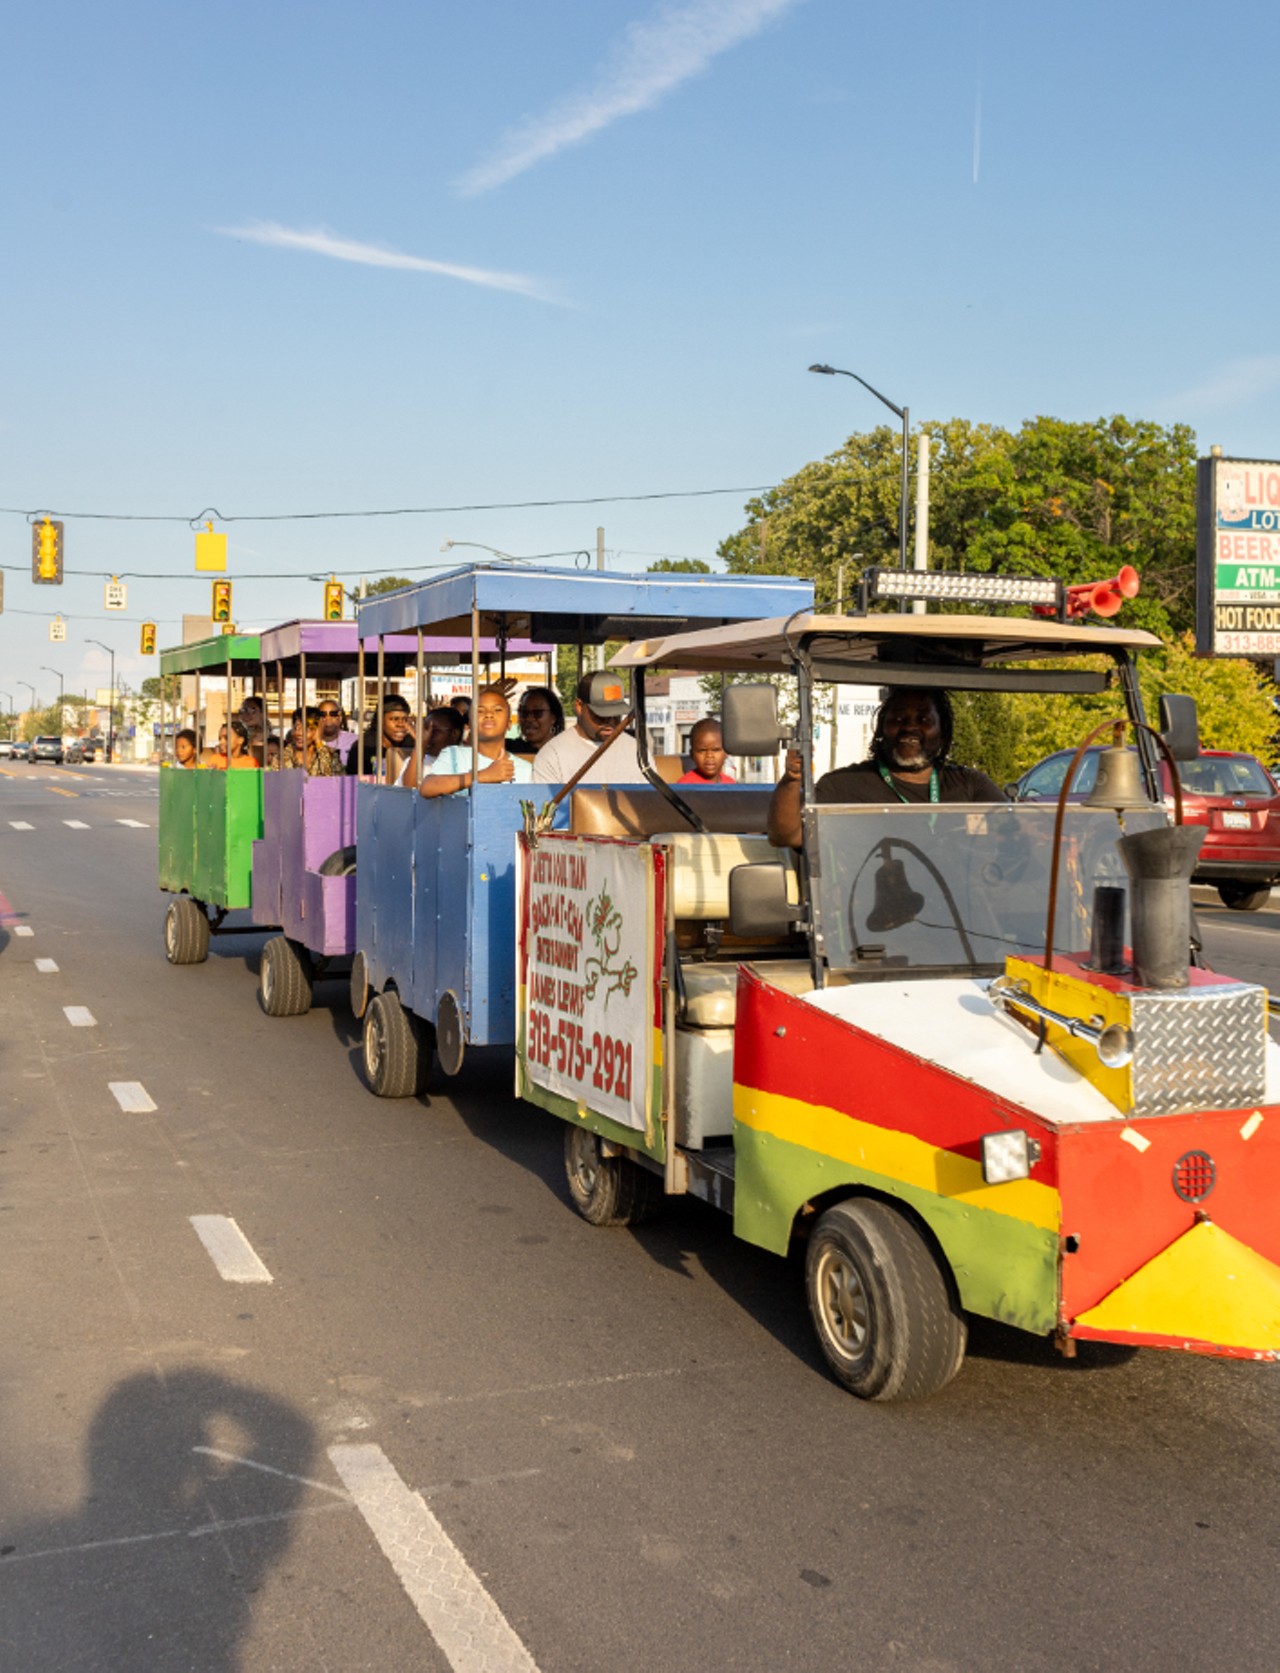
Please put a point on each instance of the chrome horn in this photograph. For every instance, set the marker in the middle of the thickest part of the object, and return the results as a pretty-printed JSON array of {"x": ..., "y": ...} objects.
[{"x": 1114, "y": 1044}]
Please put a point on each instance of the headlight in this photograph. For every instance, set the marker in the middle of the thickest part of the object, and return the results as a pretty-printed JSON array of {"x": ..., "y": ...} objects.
[{"x": 1008, "y": 1155}]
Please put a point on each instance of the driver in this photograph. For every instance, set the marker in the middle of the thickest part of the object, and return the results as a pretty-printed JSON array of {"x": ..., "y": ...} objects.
[{"x": 908, "y": 763}]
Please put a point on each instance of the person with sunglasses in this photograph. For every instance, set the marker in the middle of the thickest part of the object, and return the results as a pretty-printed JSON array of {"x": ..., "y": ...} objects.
[
  {"x": 333, "y": 729},
  {"x": 540, "y": 715}
]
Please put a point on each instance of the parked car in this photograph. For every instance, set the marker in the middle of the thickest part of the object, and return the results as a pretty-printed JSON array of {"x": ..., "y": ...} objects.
[
  {"x": 10, "y": 747},
  {"x": 74, "y": 752},
  {"x": 1232, "y": 795},
  {"x": 46, "y": 749}
]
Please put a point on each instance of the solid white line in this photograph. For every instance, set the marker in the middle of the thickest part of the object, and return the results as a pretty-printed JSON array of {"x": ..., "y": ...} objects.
[
  {"x": 23, "y": 929},
  {"x": 270, "y": 1469},
  {"x": 76, "y": 824},
  {"x": 132, "y": 1097},
  {"x": 46, "y": 966},
  {"x": 138, "y": 824},
  {"x": 79, "y": 1017},
  {"x": 229, "y": 1249},
  {"x": 459, "y": 1614},
  {"x": 21, "y": 825}
]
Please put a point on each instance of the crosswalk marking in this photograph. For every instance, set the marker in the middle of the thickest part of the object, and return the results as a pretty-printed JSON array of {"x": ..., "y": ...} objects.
[
  {"x": 137, "y": 824},
  {"x": 79, "y": 1017},
  {"x": 76, "y": 824},
  {"x": 46, "y": 966},
  {"x": 21, "y": 825},
  {"x": 229, "y": 1249},
  {"x": 132, "y": 1097}
]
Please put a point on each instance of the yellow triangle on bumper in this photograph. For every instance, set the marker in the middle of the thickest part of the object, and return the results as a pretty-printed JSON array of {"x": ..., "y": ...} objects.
[{"x": 1205, "y": 1287}]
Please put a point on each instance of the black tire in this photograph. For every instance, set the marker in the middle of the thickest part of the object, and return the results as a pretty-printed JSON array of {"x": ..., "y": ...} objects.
[
  {"x": 359, "y": 985},
  {"x": 186, "y": 932},
  {"x": 285, "y": 976},
  {"x": 341, "y": 863},
  {"x": 1244, "y": 897},
  {"x": 397, "y": 1048},
  {"x": 607, "y": 1190},
  {"x": 888, "y": 1323}
]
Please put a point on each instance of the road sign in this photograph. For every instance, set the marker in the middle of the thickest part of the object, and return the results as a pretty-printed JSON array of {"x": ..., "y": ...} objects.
[
  {"x": 1237, "y": 557},
  {"x": 114, "y": 594},
  {"x": 58, "y": 630},
  {"x": 46, "y": 552}
]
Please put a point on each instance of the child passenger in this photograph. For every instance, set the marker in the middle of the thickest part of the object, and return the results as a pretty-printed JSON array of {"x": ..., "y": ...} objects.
[
  {"x": 706, "y": 745},
  {"x": 458, "y": 767}
]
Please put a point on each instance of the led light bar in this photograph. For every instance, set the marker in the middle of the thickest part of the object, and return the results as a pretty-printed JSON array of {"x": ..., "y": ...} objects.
[{"x": 961, "y": 587}]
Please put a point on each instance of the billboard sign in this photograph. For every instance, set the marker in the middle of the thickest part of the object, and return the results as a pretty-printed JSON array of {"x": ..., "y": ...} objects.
[{"x": 1238, "y": 558}]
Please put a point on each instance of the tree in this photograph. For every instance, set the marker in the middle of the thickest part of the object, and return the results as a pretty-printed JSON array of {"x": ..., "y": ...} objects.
[
  {"x": 1074, "y": 500},
  {"x": 679, "y": 566},
  {"x": 387, "y": 584}
]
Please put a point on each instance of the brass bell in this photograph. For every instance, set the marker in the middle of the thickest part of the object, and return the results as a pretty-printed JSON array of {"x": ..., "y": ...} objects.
[
  {"x": 896, "y": 902},
  {"x": 1118, "y": 785}
]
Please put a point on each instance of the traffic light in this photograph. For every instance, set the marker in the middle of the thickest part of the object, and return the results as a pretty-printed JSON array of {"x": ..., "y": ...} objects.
[
  {"x": 46, "y": 552},
  {"x": 333, "y": 599},
  {"x": 222, "y": 601},
  {"x": 148, "y": 639}
]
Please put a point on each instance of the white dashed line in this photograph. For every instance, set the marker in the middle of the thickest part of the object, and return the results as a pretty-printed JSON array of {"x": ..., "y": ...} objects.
[
  {"x": 76, "y": 824},
  {"x": 23, "y": 929},
  {"x": 79, "y": 1017},
  {"x": 46, "y": 966},
  {"x": 465, "y": 1622},
  {"x": 229, "y": 1249},
  {"x": 137, "y": 824},
  {"x": 21, "y": 825},
  {"x": 132, "y": 1097}
]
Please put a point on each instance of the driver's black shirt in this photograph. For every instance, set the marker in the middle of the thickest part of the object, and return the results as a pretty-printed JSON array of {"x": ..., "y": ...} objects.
[{"x": 863, "y": 784}]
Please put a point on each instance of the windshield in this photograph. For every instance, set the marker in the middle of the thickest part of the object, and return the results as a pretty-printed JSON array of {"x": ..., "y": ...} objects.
[{"x": 933, "y": 888}]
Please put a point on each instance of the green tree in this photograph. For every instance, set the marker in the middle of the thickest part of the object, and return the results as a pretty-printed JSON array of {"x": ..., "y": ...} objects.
[
  {"x": 679, "y": 566},
  {"x": 387, "y": 584}
]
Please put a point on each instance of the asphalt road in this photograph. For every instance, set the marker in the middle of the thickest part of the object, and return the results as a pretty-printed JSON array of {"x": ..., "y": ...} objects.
[{"x": 627, "y": 1450}]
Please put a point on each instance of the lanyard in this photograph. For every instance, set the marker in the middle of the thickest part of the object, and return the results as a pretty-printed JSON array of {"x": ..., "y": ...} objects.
[{"x": 933, "y": 783}]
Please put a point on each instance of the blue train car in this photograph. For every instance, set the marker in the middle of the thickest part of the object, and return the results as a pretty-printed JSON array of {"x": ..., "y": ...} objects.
[{"x": 435, "y": 962}]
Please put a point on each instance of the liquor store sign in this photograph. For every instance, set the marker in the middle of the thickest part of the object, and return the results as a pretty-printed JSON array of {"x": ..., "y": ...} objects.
[{"x": 1238, "y": 558}]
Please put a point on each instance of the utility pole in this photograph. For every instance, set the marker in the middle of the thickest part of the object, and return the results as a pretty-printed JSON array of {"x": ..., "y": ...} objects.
[
  {"x": 599, "y": 548},
  {"x": 919, "y": 605}
]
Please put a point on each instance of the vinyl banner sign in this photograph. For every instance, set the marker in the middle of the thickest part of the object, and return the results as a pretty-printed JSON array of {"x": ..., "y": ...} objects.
[
  {"x": 588, "y": 973},
  {"x": 1238, "y": 558}
]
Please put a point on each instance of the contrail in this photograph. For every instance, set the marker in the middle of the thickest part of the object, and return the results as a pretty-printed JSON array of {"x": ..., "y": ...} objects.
[{"x": 977, "y": 98}]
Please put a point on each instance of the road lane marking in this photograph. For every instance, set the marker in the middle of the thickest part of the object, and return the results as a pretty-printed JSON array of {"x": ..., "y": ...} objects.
[
  {"x": 138, "y": 824},
  {"x": 23, "y": 929},
  {"x": 21, "y": 825},
  {"x": 229, "y": 1249},
  {"x": 132, "y": 1097},
  {"x": 79, "y": 1017},
  {"x": 270, "y": 1469},
  {"x": 75, "y": 824},
  {"x": 200, "y": 1532},
  {"x": 465, "y": 1622},
  {"x": 54, "y": 790},
  {"x": 46, "y": 966}
]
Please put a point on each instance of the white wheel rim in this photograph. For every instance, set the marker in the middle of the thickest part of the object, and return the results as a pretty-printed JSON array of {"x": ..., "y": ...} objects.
[
  {"x": 373, "y": 1044},
  {"x": 584, "y": 1160},
  {"x": 267, "y": 981}
]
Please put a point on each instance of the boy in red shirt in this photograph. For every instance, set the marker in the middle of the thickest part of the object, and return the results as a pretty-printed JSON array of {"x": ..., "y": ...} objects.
[{"x": 706, "y": 745}]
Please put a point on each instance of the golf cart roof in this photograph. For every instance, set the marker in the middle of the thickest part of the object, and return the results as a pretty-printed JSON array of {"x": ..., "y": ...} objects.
[{"x": 899, "y": 648}]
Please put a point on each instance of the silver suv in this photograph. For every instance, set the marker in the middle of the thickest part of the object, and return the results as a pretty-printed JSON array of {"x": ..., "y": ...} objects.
[{"x": 45, "y": 749}]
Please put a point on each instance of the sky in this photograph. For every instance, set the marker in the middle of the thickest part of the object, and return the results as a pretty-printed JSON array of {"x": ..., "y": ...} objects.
[{"x": 264, "y": 259}]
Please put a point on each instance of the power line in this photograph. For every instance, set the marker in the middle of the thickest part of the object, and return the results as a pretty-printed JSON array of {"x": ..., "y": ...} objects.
[{"x": 211, "y": 512}]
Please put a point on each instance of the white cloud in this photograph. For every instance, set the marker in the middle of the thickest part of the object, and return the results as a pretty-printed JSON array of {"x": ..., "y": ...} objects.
[
  {"x": 1234, "y": 384},
  {"x": 321, "y": 243},
  {"x": 656, "y": 55}
]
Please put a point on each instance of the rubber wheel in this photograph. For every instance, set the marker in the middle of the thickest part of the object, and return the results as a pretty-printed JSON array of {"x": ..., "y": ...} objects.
[
  {"x": 607, "y": 1190},
  {"x": 186, "y": 932},
  {"x": 285, "y": 976},
  {"x": 341, "y": 863},
  {"x": 1243, "y": 897},
  {"x": 359, "y": 984},
  {"x": 882, "y": 1306},
  {"x": 397, "y": 1048}
]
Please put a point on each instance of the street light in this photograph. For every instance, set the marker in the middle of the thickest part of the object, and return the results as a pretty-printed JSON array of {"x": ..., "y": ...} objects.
[
  {"x": 62, "y": 686},
  {"x": 111, "y": 712},
  {"x": 8, "y": 697},
  {"x": 507, "y": 557},
  {"x": 904, "y": 413}
]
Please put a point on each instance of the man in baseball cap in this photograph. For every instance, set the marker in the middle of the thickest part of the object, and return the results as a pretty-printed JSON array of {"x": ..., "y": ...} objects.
[{"x": 601, "y": 707}]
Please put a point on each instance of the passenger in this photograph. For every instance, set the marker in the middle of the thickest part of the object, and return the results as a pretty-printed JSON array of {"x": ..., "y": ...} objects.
[
  {"x": 706, "y": 745},
  {"x": 908, "y": 763},
  {"x": 241, "y": 754},
  {"x": 273, "y": 751},
  {"x": 251, "y": 714},
  {"x": 333, "y": 729},
  {"x": 394, "y": 749},
  {"x": 556, "y": 762},
  {"x": 462, "y": 705},
  {"x": 185, "y": 748},
  {"x": 442, "y": 728},
  {"x": 541, "y": 716},
  {"x": 456, "y": 768},
  {"x": 318, "y": 759}
]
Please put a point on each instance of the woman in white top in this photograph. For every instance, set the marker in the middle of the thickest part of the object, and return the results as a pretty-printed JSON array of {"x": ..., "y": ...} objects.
[{"x": 458, "y": 767}]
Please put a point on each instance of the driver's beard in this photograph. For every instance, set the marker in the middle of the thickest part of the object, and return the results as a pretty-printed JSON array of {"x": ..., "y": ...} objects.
[{"x": 904, "y": 763}]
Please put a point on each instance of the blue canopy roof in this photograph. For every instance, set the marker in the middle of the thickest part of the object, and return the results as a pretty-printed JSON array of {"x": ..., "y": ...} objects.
[{"x": 563, "y": 606}]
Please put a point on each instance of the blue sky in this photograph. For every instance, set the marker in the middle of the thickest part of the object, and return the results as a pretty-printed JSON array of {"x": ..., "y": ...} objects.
[{"x": 595, "y": 248}]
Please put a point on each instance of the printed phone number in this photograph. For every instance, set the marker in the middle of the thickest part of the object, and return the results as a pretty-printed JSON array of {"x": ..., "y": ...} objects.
[{"x": 561, "y": 1045}]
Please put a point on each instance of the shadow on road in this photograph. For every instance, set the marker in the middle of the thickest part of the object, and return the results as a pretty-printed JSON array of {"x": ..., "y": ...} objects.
[{"x": 176, "y": 1533}]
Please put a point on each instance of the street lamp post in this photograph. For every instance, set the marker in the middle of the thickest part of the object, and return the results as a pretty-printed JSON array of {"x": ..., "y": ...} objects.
[
  {"x": 62, "y": 686},
  {"x": 111, "y": 712},
  {"x": 8, "y": 697},
  {"x": 904, "y": 413}
]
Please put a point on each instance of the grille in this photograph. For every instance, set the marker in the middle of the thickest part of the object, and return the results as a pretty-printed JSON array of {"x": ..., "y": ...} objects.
[{"x": 1194, "y": 1175}]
